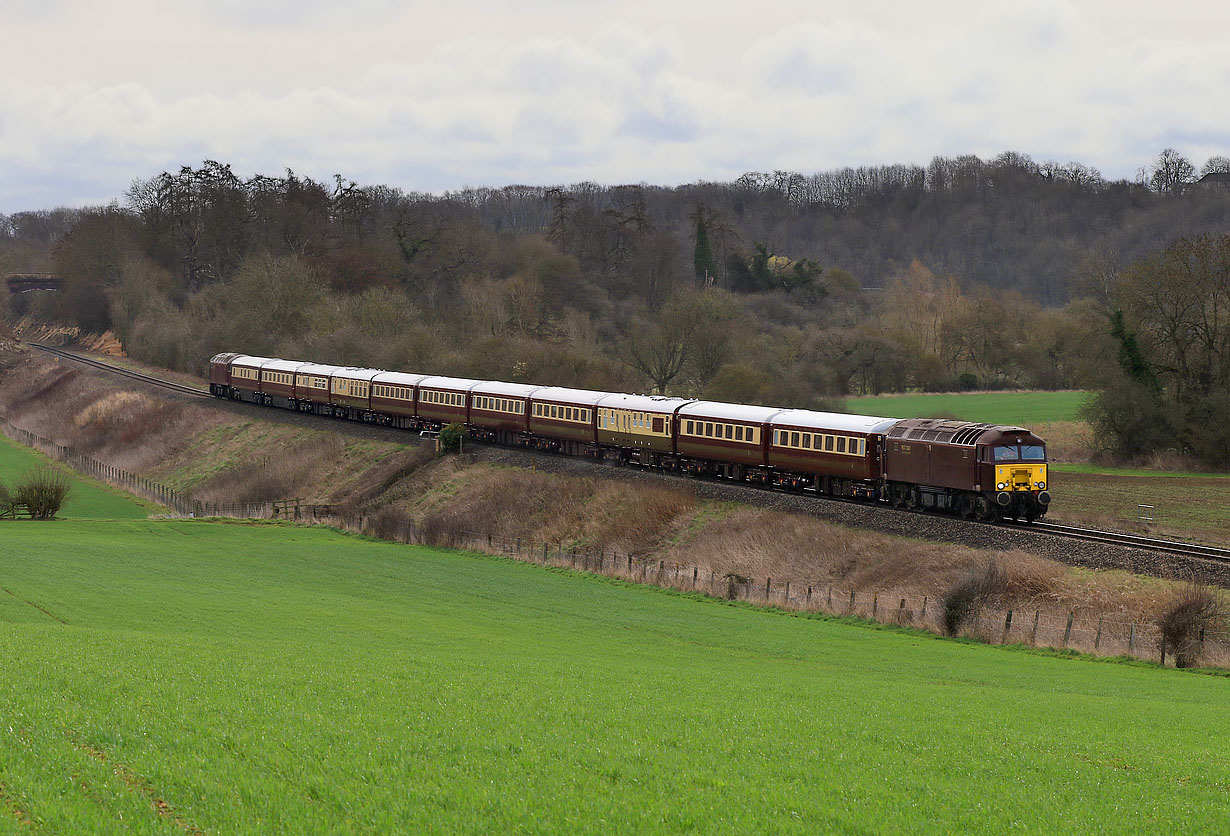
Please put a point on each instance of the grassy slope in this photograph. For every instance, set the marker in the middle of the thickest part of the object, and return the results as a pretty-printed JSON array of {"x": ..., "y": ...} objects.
[
  {"x": 88, "y": 500},
  {"x": 277, "y": 680},
  {"x": 1027, "y": 409}
]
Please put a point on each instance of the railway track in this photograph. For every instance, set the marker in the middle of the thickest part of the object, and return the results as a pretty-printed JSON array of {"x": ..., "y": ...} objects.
[
  {"x": 97, "y": 364},
  {"x": 1110, "y": 538},
  {"x": 1135, "y": 541}
]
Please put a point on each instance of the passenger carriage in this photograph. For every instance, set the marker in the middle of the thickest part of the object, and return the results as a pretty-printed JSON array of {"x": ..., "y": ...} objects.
[
  {"x": 500, "y": 411},
  {"x": 643, "y": 425},
  {"x": 835, "y": 453},
  {"x": 312, "y": 387},
  {"x": 394, "y": 398},
  {"x": 445, "y": 400},
  {"x": 726, "y": 439},
  {"x": 278, "y": 382},
  {"x": 350, "y": 392},
  {"x": 245, "y": 378},
  {"x": 563, "y": 419}
]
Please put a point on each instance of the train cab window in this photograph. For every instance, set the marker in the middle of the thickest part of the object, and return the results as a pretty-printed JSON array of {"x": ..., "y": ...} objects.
[
  {"x": 1006, "y": 454},
  {"x": 841, "y": 445},
  {"x": 1033, "y": 453}
]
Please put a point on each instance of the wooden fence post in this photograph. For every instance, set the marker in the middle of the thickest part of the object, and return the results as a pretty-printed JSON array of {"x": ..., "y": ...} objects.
[
  {"x": 1132, "y": 639},
  {"x": 924, "y": 607},
  {"x": 787, "y": 593},
  {"x": 1097, "y": 640},
  {"x": 1033, "y": 637},
  {"x": 851, "y": 600},
  {"x": 1007, "y": 627},
  {"x": 875, "y": 605},
  {"x": 695, "y": 575},
  {"x": 1067, "y": 633}
]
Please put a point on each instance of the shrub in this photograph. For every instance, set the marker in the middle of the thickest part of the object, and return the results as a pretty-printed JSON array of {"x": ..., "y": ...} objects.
[
  {"x": 970, "y": 593},
  {"x": 8, "y": 507},
  {"x": 450, "y": 438},
  {"x": 42, "y": 493},
  {"x": 1190, "y": 611}
]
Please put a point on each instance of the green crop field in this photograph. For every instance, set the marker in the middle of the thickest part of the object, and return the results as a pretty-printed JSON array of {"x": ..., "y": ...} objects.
[
  {"x": 171, "y": 677},
  {"x": 88, "y": 499},
  {"x": 1027, "y": 409}
]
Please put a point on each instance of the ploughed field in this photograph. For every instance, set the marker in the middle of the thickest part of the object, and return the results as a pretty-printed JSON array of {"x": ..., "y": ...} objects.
[{"x": 191, "y": 676}]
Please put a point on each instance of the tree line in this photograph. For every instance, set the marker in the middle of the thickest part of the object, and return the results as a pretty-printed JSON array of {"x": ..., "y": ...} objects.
[{"x": 774, "y": 288}]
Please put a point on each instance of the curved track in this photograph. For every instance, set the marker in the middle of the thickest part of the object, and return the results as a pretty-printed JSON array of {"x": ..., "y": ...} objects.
[
  {"x": 1191, "y": 550},
  {"x": 97, "y": 364}
]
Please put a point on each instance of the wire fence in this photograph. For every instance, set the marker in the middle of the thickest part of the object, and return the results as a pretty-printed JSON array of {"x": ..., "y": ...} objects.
[{"x": 1037, "y": 627}]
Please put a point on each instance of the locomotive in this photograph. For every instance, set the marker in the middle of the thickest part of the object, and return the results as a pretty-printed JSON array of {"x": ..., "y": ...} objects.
[{"x": 977, "y": 470}]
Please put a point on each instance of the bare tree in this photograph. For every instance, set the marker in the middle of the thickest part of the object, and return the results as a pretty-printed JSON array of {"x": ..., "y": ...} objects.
[{"x": 1171, "y": 172}]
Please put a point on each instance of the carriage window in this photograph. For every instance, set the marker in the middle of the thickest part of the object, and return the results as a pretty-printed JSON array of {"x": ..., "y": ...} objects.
[
  {"x": 688, "y": 427},
  {"x": 794, "y": 439},
  {"x": 828, "y": 443},
  {"x": 708, "y": 429},
  {"x": 806, "y": 441},
  {"x": 554, "y": 411},
  {"x": 730, "y": 431},
  {"x": 841, "y": 445},
  {"x": 739, "y": 433}
]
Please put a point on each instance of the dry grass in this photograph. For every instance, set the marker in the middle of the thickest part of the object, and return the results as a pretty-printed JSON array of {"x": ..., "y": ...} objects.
[{"x": 406, "y": 491}]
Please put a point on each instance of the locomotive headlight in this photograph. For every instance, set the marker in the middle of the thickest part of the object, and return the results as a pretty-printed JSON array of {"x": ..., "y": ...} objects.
[
  {"x": 1042, "y": 486},
  {"x": 1001, "y": 486}
]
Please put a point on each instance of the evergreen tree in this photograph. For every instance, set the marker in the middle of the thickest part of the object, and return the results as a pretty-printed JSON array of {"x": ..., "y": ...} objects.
[{"x": 703, "y": 261}]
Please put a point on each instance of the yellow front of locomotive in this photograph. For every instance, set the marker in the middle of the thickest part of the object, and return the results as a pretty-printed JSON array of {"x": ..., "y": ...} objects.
[{"x": 1021, "y": 478}]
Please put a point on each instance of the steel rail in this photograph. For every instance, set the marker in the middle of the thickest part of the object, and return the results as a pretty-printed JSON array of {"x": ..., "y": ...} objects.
[
  {"x": 135, "y": 375},
  {"x": 1133, "y": 540},
  {"x": 1214, "y": 553}
]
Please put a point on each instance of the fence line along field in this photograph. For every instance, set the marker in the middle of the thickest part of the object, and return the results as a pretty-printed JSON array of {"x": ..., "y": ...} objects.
[
  {"x": 87, "y": 498},
  {"x": 221, "y": 678}
]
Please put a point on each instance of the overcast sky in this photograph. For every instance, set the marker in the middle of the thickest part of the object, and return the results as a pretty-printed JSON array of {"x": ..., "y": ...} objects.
[{"x": 440, "y": 95}]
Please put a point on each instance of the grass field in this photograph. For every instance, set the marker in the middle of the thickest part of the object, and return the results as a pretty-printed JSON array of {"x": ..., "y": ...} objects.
[
  {"x": 1025, "y": 409},
  {"x": 1185, "y": 506},
  {"x": 171, "y": 677},
  {"x": 88, "y": 499}
]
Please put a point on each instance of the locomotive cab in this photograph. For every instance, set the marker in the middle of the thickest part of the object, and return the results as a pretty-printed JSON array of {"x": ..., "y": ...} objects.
[{"x": 1013, "y": 462}]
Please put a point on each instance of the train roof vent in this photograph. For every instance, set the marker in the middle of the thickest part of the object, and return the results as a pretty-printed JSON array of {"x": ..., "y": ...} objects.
[
  {"x": 897, "y": 432},
  {"x": 970, "y": 433},
  {"x": 931, "y": 435}
]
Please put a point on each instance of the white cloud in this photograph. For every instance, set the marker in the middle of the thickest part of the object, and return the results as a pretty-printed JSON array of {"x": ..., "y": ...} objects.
[{"x": 496, "y": 92}]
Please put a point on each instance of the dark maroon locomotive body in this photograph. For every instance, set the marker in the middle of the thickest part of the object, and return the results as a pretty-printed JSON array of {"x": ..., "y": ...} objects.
[{"x": 976, "y": 470}]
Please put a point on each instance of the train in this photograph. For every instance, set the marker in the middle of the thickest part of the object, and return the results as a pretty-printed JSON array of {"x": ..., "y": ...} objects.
[{"x": 979, "y": 471}]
